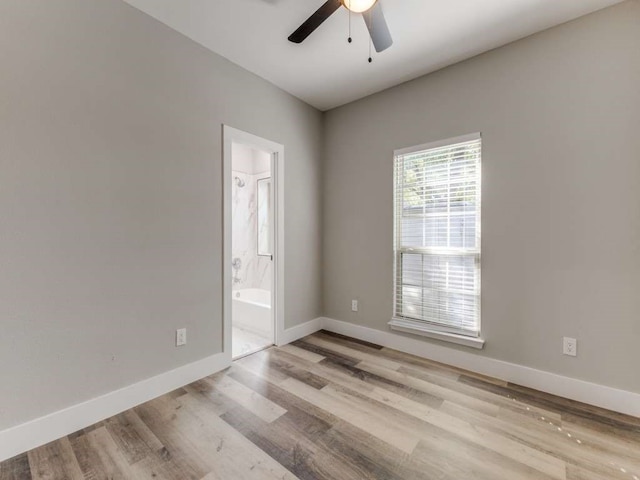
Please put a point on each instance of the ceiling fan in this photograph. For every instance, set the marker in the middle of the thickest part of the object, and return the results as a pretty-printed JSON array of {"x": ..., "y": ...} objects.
[{"x": 371, "y": 11}]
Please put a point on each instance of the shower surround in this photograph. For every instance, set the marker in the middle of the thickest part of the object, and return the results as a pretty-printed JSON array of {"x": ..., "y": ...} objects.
[{"x": 253, "y": 271}]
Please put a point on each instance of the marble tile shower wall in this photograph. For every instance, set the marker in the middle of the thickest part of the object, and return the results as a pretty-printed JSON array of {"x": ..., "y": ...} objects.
[{"x": 253, "y": 271}]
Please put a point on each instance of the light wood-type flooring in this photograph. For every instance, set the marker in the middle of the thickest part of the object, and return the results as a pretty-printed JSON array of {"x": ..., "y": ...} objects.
[{"x": 329, "y": 407}]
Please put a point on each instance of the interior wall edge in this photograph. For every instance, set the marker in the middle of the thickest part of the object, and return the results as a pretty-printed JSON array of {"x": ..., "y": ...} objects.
[{"x": 300, "y": 331}]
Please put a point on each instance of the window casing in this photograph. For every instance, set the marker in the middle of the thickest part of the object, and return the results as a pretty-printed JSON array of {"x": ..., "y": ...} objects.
[{"x": 437, "y": 196}]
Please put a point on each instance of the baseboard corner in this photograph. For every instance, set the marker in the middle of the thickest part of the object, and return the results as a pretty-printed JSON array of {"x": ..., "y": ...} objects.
[{"x": 299, "y": 331}]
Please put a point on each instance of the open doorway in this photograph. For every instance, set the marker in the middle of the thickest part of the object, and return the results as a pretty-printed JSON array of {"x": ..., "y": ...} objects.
[{"x": 253, "y": 272}]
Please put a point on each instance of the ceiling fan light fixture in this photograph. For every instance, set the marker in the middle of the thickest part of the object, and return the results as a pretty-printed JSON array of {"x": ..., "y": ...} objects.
[
  {"x": 374, "y": 19},
  {"x": 359, "y": 6}
]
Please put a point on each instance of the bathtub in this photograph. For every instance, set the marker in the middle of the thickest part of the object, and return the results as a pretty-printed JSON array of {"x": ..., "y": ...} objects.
[{"x": 251, "y": 311}]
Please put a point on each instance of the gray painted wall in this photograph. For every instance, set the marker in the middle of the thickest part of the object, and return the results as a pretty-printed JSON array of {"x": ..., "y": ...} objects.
[
  {"x": 559, "y": 113},
  {"x": 110, "y": 198}
]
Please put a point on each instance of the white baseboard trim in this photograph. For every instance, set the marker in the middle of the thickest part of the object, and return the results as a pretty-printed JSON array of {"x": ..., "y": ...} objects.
[
  {"x": 591, "y": 393},
  {"x": 48, "y": 428},
  {"x": 37, "y": 432},
  {"x": 40, "y": 431},
  {"x": 299, "y": 331}
]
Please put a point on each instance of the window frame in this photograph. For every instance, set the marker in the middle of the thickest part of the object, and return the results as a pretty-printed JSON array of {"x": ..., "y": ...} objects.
[{"x": 422, "y": 327}]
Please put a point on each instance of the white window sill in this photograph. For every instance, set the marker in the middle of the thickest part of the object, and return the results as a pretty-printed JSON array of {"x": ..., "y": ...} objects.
[{"x": 416, "y": 328}]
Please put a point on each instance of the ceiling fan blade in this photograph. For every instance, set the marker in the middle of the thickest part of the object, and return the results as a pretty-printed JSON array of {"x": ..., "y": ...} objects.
[
  {"x": 378, "y": 29},
  {"x": 315, "y": 20}
]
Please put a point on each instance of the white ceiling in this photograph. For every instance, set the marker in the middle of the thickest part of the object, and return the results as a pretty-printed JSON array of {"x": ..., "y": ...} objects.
[{"x": 325, "y": 70}]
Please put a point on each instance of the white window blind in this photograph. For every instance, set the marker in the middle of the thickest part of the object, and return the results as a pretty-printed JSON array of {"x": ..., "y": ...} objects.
[{"x": 437, "y": 235}]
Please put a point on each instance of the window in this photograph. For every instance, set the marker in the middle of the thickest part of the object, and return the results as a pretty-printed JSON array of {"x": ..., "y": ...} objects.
[{"x": 437, "y": 239}]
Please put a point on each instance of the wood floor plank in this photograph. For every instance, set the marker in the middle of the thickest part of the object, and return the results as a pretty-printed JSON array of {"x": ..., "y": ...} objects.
[
  {"x": 551, "y": 440},
  {"x": 55, "y": 460},
  {"x": 504, "y": 402},
  {"x": 289, "y": 452},
  {"x": 301, "y": 353},
  {"x": 594, "y": 449},
  {"x": 258, "y": 362},
  {"x": 291, "y": 368},
  {"x": 524, "y": 454},
  {"x": 432, "y": 389},
  {"x": 619, "y": 444},
  {"x": 622, "y": 423},
  {"x": 331, "y": 407},
  {"x": 225, "y": 449},
  {"x": 16, "y": 468},
  {"x": 447, "y": 457},
  {"x": 350, "y": 352},
  {"x": 339, "y": 369},
  {"x": 132, "y": 436},
  {"x": 302, "y": 419},
  {"x": 577, "y": 473},
  {"x": 251, "y": 400},
  {"x": 316, "y": 452},
  {"x": 436, "y": 367},
  {"x": 208, "y": 396},
  {"x": 111, "y": 457},
  {"x": 422, "y": 364},
  {"x": 374, "y": 455},
  {"x": 278, "y": 395},
  {"x": 417, "y": 408},
  {"x": 178, "y": 458},
  {"x": 163, "y": 466},
  {"x": 386, "y": 382},
  {"x": 89, "y": 460},
  {"x": 194, "y": 448},
  {"x": 382, "y": 428},
  {"x": 329, "y": 354},
  {"x": 317, "y": 424},
  {"x": 299, "y": 454},
  {"x": 366, "y": 384}
]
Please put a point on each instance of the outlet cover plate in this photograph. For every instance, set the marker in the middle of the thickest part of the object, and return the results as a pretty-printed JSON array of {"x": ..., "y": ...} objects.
[
  {"x": 181, "y": 337},
  {"x": 570, "y": 346}
]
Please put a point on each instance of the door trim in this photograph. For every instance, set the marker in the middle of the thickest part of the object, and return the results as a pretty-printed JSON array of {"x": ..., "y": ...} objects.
[{"x": 232, "y": 135}]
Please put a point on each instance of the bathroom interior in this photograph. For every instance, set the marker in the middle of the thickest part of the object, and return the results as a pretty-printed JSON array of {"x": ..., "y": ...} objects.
[{"x": 252, "y": 256}]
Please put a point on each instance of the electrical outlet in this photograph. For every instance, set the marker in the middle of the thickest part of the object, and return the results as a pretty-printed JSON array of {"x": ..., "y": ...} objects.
[
  {"x": 354, "y": 305},
  {"x": 181, "y": 337},
  {"x": 570, "y": 346}
]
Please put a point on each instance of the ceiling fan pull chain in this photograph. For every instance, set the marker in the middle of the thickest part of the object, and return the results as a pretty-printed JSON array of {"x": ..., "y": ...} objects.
[
  {"x": 370, "y": 57},
  {"x": 350, "y": 39}
]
